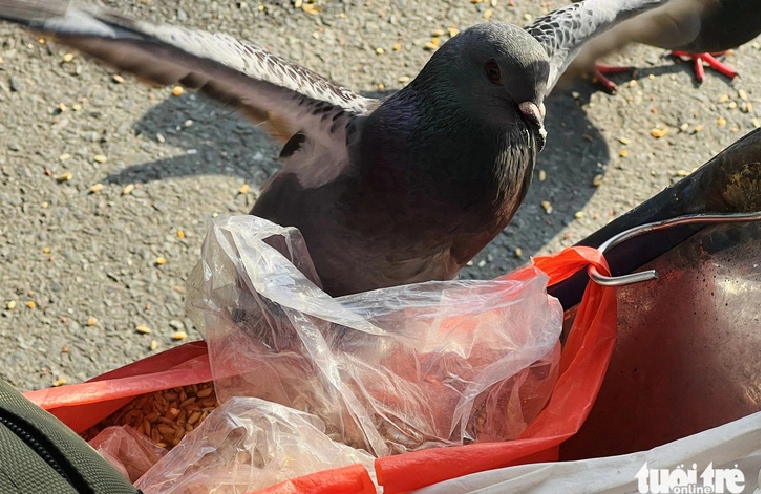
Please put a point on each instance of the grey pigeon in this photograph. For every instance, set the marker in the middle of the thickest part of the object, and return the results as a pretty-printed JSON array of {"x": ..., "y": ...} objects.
[
  {"x": 696, "y": 29},
  {"x": 389, "y": 192}
]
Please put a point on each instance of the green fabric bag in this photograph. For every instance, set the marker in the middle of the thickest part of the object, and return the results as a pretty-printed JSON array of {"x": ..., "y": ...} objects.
[{"x": 40, "y": 455}]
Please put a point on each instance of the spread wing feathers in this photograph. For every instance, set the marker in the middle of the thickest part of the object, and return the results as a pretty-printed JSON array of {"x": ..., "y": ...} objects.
[
  {"x": 564, "y": 31},
  {"x": 264, "y": 85}
]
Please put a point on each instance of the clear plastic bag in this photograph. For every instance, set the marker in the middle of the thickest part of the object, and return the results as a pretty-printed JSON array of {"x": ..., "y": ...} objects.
[
  {"x": 392, "y": 370},
  {"x": 129, "y": 451},
  {"x": 248, "y": 444}
]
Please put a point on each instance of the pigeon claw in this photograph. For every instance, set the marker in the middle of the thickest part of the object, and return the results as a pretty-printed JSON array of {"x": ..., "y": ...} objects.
[
  {"x": 708, "y": 59},
  {"x": 599, "y": 76}
]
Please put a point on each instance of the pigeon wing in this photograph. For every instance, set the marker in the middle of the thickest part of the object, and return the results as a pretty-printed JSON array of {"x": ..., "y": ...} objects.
[
  {"x": 564, "y": 31},
  {"x": 265, "y": 86}
]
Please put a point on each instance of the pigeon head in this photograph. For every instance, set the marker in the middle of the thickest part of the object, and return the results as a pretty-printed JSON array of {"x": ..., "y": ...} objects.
[{"x": 497, "y": 71}]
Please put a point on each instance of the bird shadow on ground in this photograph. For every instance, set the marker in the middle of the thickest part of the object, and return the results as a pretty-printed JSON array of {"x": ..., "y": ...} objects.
[
  {"x": 208, "y": 139},
  {"x": 203, "y": 138},
  {"x": 215, "y": 140}
]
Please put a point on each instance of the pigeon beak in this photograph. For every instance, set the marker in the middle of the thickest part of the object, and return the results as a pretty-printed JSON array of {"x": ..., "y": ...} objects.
[{"x": 535, "y": 114}]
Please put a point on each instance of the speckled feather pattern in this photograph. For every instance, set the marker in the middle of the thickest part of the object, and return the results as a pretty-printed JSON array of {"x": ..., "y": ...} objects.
[
  {"x": 564, "y": 31},
  {"x": 68, "y": 19},
  {"x": 256, "y": 63},
  {"x": 265, "y": 86}
]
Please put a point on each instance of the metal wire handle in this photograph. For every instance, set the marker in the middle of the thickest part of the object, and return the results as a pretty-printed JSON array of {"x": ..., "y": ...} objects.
[{"x": 629, "y": 279}]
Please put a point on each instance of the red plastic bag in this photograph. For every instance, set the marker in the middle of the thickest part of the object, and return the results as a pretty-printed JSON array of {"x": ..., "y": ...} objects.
[
  {"x": 388, "y": 371},
  {"x": 81, "y": 406},
  {"x": 584, "y": 361}
]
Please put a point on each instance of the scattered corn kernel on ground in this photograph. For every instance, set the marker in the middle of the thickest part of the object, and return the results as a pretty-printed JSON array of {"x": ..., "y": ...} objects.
[{"x": 106, "y": 171}]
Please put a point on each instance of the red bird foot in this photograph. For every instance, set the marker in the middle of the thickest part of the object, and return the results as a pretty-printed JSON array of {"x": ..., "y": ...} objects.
[
  {"x": 599, "y": 76},
  {"x": 709, "y": 59}
]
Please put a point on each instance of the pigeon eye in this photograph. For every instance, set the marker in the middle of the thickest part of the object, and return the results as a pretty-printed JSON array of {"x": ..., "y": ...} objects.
[{"x": 493, "y": 72}]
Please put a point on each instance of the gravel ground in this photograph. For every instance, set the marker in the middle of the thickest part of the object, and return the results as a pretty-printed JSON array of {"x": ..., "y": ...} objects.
[{"x": 81, "y": 266}]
